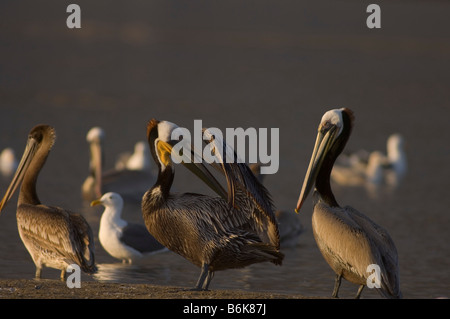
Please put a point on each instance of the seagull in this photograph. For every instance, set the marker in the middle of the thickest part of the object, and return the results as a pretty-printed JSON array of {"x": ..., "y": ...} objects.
[
  {"x": 129, "y": 242},
  {"x": 373, "y": 169},
  {"x": 138, "y": 161},
  {"x": 8, "y": 162}
]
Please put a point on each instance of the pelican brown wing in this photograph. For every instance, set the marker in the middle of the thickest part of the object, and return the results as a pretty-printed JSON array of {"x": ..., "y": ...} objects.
[
  {"x": 252, "y": 200},
  {"x": 383, "y": 248},
  {"x": 56, "y": 231}
]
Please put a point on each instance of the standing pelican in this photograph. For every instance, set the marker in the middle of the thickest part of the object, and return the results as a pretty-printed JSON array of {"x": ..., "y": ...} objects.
[
  {"x": 349, "y": 241},
  {"x": 53, "y": 236},
  {"x": 121, "y": 239},
  {"x": 130, "y": 184},
  {"x": 211, "y": 232}
]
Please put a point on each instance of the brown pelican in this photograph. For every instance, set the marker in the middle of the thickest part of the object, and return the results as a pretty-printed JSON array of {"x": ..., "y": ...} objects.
[
  {"x": 211, "y": 232},
  {"x": 129, "y": 242},
  {"x": 289, "y": 225},
  {"x": 130, "y": 184},
  {"x": 54, "y": 237},
  {"x": 349, "y": 241}
]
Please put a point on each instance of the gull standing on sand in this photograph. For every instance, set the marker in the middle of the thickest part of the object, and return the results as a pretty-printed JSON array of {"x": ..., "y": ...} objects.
[{"x": 129, "y": 242}]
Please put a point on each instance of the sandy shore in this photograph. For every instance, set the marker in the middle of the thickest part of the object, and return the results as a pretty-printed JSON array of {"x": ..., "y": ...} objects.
[{"x": 54, "y": 289}]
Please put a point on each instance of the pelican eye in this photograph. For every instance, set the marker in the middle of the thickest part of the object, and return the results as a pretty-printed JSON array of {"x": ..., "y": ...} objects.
[
  {"x": 326, "y": 126},
  {"x": 36, "y": 136}
]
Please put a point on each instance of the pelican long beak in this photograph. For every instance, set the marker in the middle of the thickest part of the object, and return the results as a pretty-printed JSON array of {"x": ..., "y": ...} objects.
[
  {"x": 195, "y": 166},
  {"x": 27, "y": 157},
  {"x": 324, "y": 141}
]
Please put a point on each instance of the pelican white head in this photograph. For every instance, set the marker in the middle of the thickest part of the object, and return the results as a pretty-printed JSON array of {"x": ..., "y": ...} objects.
[
  {"x": 333, "y": 117},
  {"x": 95, "y": 133},
  {"x": 165, "y": 129}
]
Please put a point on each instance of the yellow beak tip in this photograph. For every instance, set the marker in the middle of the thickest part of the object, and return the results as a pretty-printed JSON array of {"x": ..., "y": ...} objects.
[{"x": 95, "y": 203}]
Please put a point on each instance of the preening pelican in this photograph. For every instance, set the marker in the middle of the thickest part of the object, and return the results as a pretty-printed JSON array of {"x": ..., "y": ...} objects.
[
  {"x": 129, "y": 242},
  {"x": 348, "y": 240},
  {"x": 214, "y": 233},
  {"x": 54, "y": 237},
  {"x": 289, "y": 225},
  {"x": 130, "y": 184}
]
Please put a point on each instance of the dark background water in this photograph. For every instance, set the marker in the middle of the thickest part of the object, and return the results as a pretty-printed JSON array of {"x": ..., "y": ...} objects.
[{"x": 259, "y": 64}]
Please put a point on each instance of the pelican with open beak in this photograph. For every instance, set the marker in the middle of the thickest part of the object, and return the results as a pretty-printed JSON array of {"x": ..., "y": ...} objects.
[
  {"x": 54, "y": 237},
  {"x": 233, "y": 230},
  {"x": 349, "y": 241}
]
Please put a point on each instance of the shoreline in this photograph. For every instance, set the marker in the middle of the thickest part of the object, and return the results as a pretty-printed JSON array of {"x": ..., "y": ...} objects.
[{"x": 55, "y": 289}]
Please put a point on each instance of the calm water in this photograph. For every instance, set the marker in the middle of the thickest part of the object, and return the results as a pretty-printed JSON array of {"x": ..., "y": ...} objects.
[{"x": 237, "y": 64}]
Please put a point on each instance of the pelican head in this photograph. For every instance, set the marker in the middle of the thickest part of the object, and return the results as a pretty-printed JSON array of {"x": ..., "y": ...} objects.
[
  {"x": 333, "y": 132},
  {"x": 40, "y": 139},
  {"x": 95, "y": 134},
  {"x": 161, "y": 143}
]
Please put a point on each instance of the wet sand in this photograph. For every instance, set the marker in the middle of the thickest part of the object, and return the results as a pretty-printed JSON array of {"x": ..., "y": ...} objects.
[{"x": 55, "y": 289}]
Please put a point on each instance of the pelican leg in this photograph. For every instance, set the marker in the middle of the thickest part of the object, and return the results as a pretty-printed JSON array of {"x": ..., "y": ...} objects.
[
  {"x": 208, "y": 279},
  {"x": 359, "y": 292},
  {"x": 337, "y": 284},
  {"x": 63, "y": 275},
  {"x": 203, "y": 279},
  {"x": 38, "y": 273}
]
